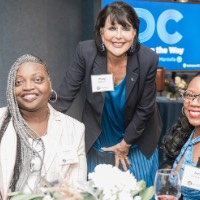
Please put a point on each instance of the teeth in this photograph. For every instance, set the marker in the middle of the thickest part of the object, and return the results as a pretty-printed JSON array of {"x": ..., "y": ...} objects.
[
  {"x": 29, "y": 97},
  {"x": 195, "y": 113},
  {"x": 118, "y": 44}
]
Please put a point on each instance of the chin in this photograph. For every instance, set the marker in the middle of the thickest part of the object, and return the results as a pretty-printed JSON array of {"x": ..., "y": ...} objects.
[
  {"x": 119, "y": 54},
  {"x": 194, "y": 123}
]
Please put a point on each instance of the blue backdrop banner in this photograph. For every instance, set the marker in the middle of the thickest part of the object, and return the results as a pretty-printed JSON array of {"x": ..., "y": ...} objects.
[{"x": 171, "y": 29}]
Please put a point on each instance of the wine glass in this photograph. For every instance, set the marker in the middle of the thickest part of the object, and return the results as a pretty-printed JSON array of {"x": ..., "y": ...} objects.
[{"x": 167, "y": 185}]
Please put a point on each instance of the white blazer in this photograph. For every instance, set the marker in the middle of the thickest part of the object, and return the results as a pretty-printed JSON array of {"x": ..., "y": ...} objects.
[{"x": 64, "y": 150}]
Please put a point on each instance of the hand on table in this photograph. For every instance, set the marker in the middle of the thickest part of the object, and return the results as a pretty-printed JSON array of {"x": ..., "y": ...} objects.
[{"x": 121, "y": 151}]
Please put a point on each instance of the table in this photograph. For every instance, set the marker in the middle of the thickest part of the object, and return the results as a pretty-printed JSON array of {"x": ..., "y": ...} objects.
[{"x": 170, "y": 110}]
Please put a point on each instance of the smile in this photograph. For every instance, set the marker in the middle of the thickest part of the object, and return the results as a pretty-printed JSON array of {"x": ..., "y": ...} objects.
[
  {"x": 118, "y": 44},
  {"x": 29, "y": 97},
  {"x": 194, "y": 113}
]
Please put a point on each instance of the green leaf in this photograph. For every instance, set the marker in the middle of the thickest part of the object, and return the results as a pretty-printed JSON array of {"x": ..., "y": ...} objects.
[
  {"x": 21, "y": 196},
  {"x": 148, "y": 193},
  {"x": 56, "y": 195},
  {"x": 14, "y": 194},
  {"x": 142, "y": 185},
  {"x": 88, "y": 196}
]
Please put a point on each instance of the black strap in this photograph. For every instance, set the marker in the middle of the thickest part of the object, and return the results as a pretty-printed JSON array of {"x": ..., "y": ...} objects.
[{"x": 198, "y": 163}]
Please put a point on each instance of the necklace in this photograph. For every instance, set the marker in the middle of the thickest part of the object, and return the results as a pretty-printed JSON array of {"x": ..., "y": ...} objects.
[
  {"x": 114, "y": 78},
  {"x": 118, "y": 71},
  {"x": 33, "y": 134}
]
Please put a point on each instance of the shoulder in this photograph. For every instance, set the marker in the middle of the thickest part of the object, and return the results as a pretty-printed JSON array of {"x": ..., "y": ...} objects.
[
  {"x": 3, "y": 114},
  {"x": 3, "y": 111},
  {"x": 67, "y": 122},
  {"x": 87, "y": 47},
  {"x": 73, "y": 129},
  {"x": 87, "y": 43},
  {"x": 147, "y": 51},
  {"x": 74, "y": 122},
  {"x": 147, "y": 57}
]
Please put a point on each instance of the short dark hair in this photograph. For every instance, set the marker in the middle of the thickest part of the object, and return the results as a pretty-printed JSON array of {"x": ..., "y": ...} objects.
[{"x": 119, "y": 12}]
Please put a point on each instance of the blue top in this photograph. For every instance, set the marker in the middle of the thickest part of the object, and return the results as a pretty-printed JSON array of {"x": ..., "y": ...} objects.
[
  {"x": 113, "y": 118},
  {"x": 187, "y": 152},
  {"x": 113, "y": 130}
]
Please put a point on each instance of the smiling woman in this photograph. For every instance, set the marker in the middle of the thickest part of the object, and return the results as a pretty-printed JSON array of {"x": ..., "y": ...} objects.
[
  {"x": 32, "y": 90},
  {"x": 38, "y": 144},
  {"x": 121, "y": 116},
  {"x": 182, "y": 143}
]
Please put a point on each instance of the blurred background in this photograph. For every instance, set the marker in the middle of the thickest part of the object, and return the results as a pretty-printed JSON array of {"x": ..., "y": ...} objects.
[{"x": 50, "y": 29}]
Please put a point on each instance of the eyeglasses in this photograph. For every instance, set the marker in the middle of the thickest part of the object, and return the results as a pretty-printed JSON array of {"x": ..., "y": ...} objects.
[
  {"x": 37, "y": 157},
  {"x": 189, "y": 96}
]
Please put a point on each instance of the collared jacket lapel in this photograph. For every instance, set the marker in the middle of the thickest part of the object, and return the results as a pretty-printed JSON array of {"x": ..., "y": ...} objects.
[
  {"x": 131, "y": 74},
  {"x": 51, "y": 141},
  {"x": 99, "y": 67}
]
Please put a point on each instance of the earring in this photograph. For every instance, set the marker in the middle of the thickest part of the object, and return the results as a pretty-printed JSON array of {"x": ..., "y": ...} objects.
[
  {"x": 103, "y": 49},
  {"x": 183, "y": 111},
  {"x": 132, "y": 49},
  {"x": 53, "y": 97}
]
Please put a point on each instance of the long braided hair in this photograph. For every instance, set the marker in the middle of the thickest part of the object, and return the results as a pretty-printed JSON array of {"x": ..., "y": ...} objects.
[
  {"x": 177, "y": 136},
  {"x": 24, "y": 149}
]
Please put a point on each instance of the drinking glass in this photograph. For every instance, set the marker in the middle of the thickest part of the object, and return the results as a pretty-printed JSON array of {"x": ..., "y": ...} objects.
[{"x": 167, "y": 185}]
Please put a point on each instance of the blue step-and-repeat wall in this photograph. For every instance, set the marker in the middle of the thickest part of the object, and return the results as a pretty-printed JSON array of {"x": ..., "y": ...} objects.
[{"x": 172, "y": 30}]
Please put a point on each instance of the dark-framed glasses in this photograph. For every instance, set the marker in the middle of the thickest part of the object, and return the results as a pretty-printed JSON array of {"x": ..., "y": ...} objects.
[
  {"x": 189, "y": 96},
  {"x": 37, "y": 156}
]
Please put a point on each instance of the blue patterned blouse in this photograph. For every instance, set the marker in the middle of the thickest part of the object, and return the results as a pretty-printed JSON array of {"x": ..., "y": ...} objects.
[{"x": 187, "y": 153}]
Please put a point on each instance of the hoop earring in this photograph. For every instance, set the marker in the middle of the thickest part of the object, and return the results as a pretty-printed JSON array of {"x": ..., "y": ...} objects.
[
  {"x": 53, "y": 97},
  {"x": 182, "y": 110},
  {"x": 103, "y": 49}
]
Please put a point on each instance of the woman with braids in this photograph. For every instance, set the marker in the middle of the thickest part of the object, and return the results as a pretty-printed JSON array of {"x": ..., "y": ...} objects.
[
  {"x": 182, "y": 144},
  {"x": 38, "y": 144}
]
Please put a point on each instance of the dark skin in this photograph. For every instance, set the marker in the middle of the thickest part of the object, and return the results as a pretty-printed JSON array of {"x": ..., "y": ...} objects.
[
  {"x": 32, "y": 90},
  {"x": 192, "y": 112}
]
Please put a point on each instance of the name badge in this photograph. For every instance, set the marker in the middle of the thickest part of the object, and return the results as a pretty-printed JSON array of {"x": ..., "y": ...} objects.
[
  {"x": 68, "y": 156},
  {"x": 102, "y": 83},
  {"x": 191, "y": 177}
]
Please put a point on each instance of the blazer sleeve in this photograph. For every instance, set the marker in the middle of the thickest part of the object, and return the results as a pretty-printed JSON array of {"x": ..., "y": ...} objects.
[
  {"x": 71, "y": 82},
  {"x": 75, "y": 74}
]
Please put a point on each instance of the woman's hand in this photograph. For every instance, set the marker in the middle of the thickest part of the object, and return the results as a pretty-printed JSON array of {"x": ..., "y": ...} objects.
[{"x": 121, "y": 154}]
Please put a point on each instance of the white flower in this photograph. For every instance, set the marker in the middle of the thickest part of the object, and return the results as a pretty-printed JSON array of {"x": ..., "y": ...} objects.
[
  {"x": 105, "y": 183},
  {"x": 125, "y": 195},
  {"x": 138, "y": 198},
  {"x": 114, "y": 183},
  {"x": 47, "y": 197}
]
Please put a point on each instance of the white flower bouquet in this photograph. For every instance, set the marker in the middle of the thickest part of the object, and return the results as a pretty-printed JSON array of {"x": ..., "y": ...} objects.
[{"x": 105, "y": 183}]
